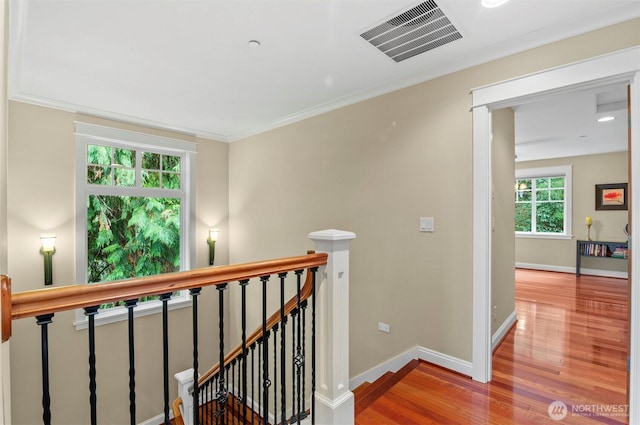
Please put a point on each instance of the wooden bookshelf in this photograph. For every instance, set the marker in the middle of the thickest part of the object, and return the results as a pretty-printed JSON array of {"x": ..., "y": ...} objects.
[{"x": 600, "y": 249}]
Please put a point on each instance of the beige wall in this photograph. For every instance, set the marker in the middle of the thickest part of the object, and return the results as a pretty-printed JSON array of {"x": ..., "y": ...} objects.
[
  {"x": 5, "y": 374},
  {"x": 502, "y": 238},
  {"x": 374, "y": 168},
  {"x": 41, "y": 198},
  {"x": 607, "y": 225}
]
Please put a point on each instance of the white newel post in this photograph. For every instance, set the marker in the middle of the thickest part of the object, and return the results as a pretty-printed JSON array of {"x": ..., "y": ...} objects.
[
  {"x": 185, "y": 382},
  {"x": 334, "y": 401}
]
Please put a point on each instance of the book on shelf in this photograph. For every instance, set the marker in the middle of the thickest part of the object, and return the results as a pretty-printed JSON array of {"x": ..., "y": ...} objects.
[
  {"x": 620, "y": 252},
  {"x": 600, "y": 249}
]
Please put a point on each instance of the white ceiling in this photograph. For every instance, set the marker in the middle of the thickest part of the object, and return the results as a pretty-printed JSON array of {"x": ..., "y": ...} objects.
[
  {"x": 567, "y": 125},
  {"x": 186, "y": 65}
]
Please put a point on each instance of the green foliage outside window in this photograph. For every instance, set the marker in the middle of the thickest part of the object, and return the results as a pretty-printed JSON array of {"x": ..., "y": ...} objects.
[
  {"x": 109, "y": 166},
  {"x": 549, "y": 217},
  {"x": 523, "y": 217},
  {"x": 131, "y": 236},
  {"x": 540, "y": 203}
]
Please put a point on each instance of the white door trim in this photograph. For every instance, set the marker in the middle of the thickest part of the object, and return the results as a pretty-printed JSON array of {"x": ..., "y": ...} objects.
[
  {"x": 481, "y": 360},
  {"x": 619, "y": 66}
]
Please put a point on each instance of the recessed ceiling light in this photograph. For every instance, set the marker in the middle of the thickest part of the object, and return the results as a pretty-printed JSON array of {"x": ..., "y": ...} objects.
[
  {"x": 605, "y": 119},
  {"x": 254, "y": 43},
  {"x": 492, "y": 3}
]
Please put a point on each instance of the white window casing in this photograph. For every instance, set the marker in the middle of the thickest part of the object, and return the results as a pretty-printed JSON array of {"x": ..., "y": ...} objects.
[
  {"x": 88, "y": 134},
  {"x": 565, "y": 171}
]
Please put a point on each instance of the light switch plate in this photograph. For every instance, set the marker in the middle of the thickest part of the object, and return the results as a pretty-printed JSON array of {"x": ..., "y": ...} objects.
[{"x": 426, "y": 224}]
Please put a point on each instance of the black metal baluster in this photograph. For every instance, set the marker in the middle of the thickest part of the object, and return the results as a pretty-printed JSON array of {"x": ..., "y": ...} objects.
[
  {"x": 203, "y": 413},
  {"x": 195, "y": 292},
  {"x": 294, "y": 415},
  {"x": 253, "y": 367},
  {"x": 313, "y": 345},
  {"x": 43, "y": 321},
  {"x": 221, "y": 396},
  {"x": 266, "y": 383},
  {"x": 213, "y": 391},
  {"x": 202, "y": 397},
  {"x": 275, "y": 373},
  {"x": 214, "y": 400},
  {"x": 130, "y": 304},
  {"x": 212, "y": 388},
  {"x": 243, "y": 399},
  {"x": 260, "y": 340},
  {"x": 230, "y": 389},
  {"x": 233, "y": 390},
  {"x": 90, "y": 312},
  {"x": 226, "y": 379},
  {"x": 165, "y": 352},
  {"x": 283, "y": 365},
  {"x": 202, "y": 402},
  {"x": 299, "y": 360},
  {"x": 303, "y": 411}
]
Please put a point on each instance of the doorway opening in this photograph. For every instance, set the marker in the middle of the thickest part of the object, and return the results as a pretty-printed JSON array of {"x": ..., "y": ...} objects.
[{"x": 618, "y": 67}]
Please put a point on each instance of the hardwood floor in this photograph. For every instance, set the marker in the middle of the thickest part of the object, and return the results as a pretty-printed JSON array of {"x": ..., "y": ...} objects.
[{"x": 569, "y": 345}]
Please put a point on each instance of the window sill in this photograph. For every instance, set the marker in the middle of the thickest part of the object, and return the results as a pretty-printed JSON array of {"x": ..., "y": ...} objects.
[
  {"x": 543, "y": 236},
  {"x": 120, "y": 314}
]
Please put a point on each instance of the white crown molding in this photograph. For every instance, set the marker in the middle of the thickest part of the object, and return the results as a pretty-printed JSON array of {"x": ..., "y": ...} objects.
[
  {"x": 499, "y": 51},
  {"x": 613, "y": 67},
  {"x": 18, "y": 13},
  {"x": 99, "y": 113}
]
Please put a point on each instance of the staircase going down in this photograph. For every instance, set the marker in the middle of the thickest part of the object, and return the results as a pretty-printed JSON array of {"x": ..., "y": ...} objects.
[{"x": 367, "y": 393}]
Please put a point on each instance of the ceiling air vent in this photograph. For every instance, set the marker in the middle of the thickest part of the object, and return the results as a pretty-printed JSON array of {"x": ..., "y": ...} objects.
[{"x": 418, "y": 30}]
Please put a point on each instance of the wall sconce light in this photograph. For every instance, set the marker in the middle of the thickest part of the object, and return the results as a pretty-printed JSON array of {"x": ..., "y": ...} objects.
[
  {"x": 211, "y": 240},
  {"x": 47, "y": 250}
]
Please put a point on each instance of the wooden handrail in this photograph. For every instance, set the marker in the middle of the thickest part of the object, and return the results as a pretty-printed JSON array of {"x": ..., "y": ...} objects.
[
  {"x": 5, "y": 300},
  {"x": 177, "y": 414},
  {"x": 52, "y": 300}
]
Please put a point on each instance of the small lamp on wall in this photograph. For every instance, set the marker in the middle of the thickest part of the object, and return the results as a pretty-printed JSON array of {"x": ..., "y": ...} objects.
[
  {"x": 211, "y": 240},
  {"x": 47, "y": 250}
]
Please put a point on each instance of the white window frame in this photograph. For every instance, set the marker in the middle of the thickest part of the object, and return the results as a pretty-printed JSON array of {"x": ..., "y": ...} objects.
[
  {"x": 565, "y": 171},
  {"x": 87, "y": 134}
]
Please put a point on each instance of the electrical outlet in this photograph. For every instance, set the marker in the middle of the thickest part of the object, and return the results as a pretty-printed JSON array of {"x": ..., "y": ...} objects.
[
  {"x": 495, "y": 313},
  {"x": 383, "y": 327}
]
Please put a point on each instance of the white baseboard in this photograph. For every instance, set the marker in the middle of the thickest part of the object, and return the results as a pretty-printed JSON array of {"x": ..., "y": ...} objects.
[
  {"x": 545, "y": 267},
  {"x": 565, "y": 269},
  {"x": 444, "y": 360},
  {"x": 392, "y": 365},
  {"x": 158, "y": 419},
  {"x": 503, "y": 330},
  {"x": 604, "y": 273},
  {"x": 396, "y": 363}
]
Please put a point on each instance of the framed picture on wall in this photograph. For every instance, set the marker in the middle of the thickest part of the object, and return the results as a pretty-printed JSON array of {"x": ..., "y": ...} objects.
[{"x": 611, "y": 196}]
